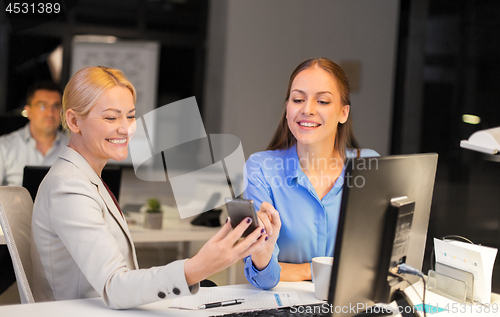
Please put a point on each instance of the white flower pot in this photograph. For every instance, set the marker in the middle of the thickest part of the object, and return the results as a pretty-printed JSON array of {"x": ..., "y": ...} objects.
[{"x": 153, "y": 220}]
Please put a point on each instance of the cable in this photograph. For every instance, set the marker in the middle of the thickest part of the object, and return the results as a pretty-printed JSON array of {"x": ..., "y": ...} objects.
[
  {"x": 406, "y": 269},
  {"x": 422, "y": 299},
  {"x": 456, "y": 237},
  {"x": 423, "y": 295}
]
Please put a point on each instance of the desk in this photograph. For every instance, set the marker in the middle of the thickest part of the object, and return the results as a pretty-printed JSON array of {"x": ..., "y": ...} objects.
[
  {"x": 175, "y": 230},
  {"x": 179, "y": 231},
  {"x": 455, "y": 309},
  {"x": 95, "y": 307}
]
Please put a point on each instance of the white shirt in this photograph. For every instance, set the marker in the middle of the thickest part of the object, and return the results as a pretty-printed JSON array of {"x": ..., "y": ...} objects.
[{"x": 18, "y": 149}]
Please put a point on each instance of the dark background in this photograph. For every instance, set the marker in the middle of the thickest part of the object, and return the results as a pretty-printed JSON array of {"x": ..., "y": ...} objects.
[
  {"x": 179, "y": 26},
  {"x": 449, "y": 65}
]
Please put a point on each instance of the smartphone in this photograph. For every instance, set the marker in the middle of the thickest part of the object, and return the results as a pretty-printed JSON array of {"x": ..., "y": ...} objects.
[{"x": 239, "y": 209}]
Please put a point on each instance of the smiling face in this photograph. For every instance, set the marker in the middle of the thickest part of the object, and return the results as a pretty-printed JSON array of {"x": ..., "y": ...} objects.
[
  {"x": 315, "y": 108},
  {"x": 104, "y": 133}
]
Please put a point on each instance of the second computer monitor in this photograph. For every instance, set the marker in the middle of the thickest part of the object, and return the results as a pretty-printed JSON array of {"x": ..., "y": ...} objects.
[{"x": 33, "y": 176}]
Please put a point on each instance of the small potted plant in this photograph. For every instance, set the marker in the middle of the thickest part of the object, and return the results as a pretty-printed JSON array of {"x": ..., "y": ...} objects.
[{"x": 153, "y": 217}]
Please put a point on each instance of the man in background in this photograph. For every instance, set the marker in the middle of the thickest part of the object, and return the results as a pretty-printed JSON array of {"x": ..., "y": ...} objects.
[{"x": 37, "y": 143}]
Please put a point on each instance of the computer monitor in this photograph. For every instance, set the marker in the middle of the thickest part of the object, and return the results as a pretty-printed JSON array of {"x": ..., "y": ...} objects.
[
  {"x": 383, "y": 221},
  {"x": 33, "y": 176}
]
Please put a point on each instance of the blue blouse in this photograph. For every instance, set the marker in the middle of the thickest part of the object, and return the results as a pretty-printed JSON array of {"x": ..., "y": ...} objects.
[{"x": 308, "y": 224}]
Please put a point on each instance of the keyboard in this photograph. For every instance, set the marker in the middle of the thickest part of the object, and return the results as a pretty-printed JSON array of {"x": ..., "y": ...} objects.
[
  {"x": 296, "y": 311},
  {"x": 315, "y": 310}
]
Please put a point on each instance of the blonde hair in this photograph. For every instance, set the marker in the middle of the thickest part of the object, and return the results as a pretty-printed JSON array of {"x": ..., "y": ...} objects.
[{"x": 87, "y": 86}]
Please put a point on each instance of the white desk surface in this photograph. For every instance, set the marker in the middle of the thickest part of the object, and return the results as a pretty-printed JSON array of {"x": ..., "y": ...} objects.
[
  {"x": 172, "y": 231},
  {"x": 96, "y": 308}
]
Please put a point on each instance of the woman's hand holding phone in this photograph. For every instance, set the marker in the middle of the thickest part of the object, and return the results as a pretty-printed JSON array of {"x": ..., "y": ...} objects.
[
  {"x": 270, "y": 220},
  {"x": 223, "y": 250}
]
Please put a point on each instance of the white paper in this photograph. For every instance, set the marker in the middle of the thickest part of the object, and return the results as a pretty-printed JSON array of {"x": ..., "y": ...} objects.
[
  {"x": 478, "y": 260},
  {"x": 254, "y": 299}
]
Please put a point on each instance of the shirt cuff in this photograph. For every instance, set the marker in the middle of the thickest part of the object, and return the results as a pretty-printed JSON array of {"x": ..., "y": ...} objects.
[
  {"x": 194, "y": 288},
  {"x": 266, "y": 278}
]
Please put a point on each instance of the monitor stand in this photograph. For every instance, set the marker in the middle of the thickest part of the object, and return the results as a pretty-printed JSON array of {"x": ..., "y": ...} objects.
[
  {"x": 381, "y": 313},
  {"x": 404, "y": 303}
]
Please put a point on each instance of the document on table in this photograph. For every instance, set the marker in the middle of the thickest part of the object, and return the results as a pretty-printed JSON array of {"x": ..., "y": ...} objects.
[
  {"x": 254, "y": 299},
  {"x": 478, "y": 260}
]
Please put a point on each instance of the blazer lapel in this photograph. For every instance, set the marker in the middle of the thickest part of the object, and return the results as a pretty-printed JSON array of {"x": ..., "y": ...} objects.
[
  {"x": 79, "y": 161},
  {"x": 113, "y": 209}
]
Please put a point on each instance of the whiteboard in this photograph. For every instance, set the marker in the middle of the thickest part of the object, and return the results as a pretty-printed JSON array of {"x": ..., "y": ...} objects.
[{"x": 138, "y": 60}]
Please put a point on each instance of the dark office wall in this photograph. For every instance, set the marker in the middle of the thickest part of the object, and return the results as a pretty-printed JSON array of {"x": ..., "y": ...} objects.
[
  {"x": 449, "y": 62},
  {"x": 179, "y": 27},
  {"x": 255, "y": 45}
]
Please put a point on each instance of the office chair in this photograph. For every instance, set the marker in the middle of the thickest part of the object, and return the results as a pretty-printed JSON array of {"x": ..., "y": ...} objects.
[{"x": 16, "y": 208}]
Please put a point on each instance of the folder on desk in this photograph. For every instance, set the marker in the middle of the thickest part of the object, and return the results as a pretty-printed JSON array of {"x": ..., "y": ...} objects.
[
  {"x": 458, "y": 260},
  {"x": 254, "y": 299}
]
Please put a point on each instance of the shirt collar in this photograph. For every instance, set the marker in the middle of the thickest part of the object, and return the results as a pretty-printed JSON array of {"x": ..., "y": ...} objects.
[
  {"x": 292, "y": 170},
  {"x": 339, "y": 183},
  {"x": 59, "y": 136},
  {"x": 26, "y": 134}
]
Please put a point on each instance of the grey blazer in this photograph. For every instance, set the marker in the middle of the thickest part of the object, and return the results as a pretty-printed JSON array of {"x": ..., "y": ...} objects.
[{"x": 81, "y": 246}]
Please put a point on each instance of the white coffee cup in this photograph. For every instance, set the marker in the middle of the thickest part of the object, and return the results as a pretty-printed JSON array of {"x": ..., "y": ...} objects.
[{"x": 322, "y": 270}]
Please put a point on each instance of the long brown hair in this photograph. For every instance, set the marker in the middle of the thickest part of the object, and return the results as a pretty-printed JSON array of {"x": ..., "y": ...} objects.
[{"x": 344, "y": 138}]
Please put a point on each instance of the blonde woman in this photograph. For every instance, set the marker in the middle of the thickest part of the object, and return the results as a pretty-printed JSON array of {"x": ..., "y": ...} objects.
[{"x": 81, "y": 243}]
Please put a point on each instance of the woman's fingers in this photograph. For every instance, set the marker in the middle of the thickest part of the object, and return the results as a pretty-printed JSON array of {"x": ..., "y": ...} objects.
[
  {"x": 222, "y": 233},
  {"x": 276, "y": 221},
  {"x": 238, "y": 231},
  {"x": 266, "y": 223},
  {"x": 255, "y": 237},
  {"x": 267, "y": 208},
  {"x": 254, "y": 246},
  {"x": 272, "y": 215},
  {"x": 269, "y": 221},
  {"x": 222, "y": 250}
]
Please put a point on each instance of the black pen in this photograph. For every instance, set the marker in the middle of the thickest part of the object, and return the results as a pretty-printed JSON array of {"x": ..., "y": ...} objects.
[{"x": 221, "y": 304}]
